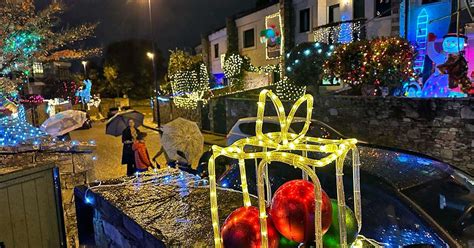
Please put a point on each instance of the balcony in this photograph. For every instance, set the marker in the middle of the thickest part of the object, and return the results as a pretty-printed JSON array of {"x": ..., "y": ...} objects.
[{"x": 340, "y": 32}]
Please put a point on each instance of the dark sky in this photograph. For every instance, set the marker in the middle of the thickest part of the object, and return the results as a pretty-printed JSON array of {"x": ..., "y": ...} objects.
[{"x": 176, "y": 23}]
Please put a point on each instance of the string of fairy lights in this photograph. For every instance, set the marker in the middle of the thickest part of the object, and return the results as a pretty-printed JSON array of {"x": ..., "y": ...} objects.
[
  {"x": 289, "y": 91},
  {"x": 345, "y": 32},
  {"x": 189, "y": 87}
]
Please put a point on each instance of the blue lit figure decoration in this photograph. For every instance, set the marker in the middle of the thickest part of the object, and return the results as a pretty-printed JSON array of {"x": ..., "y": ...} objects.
[
  {"x": 84, "y": 93},
  {"x": 437, "y": 84}
]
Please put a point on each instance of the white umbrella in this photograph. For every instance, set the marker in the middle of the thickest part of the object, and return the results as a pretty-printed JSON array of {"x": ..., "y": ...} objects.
[
  {"x": 183, "y": 135},
  {"x": 64, "y": 122}
]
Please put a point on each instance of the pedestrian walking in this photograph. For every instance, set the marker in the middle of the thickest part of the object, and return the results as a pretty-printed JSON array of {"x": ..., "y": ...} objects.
[
  {"x": 142, "y": 158},
  {"x": 129, "y": 135}
]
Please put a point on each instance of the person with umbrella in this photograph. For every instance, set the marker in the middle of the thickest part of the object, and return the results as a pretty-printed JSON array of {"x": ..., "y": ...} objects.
[
  {"x": 125, "y": 124},
  {"x": 129, "y": 136}
]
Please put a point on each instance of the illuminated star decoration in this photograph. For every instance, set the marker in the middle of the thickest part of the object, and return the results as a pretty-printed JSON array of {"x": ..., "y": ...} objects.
[{"x": 286, "y": 147}]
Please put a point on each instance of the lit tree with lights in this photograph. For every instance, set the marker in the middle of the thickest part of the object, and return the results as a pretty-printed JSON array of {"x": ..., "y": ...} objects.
[
  {"x": 304, "y": 64},
  {"x": 28, "y": 35},
  {"x": 189, "y": 78},
  {"x": 381, "y": 62}
]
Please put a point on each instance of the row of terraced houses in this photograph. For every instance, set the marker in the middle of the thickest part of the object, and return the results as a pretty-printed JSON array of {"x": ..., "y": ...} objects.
[{"x": 324, "y": 21}]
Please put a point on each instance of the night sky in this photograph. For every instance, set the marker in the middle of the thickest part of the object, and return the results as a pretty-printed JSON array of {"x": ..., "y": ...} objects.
[{"x": 176, "y": 23}]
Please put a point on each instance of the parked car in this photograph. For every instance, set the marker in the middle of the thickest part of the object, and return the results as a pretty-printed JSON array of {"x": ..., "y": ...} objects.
[{"x": 407, "y": 198}]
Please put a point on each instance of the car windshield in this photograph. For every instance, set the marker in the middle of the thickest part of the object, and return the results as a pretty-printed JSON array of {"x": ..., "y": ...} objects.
[
  {"x": 450, "y": 202},
  {"x": 316, "y": 129}
]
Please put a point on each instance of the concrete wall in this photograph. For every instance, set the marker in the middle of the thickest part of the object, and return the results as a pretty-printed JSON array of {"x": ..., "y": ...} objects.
[
  {"x": 256, "y": 21},
  {"x": 441, "y": 128},
  {"x": 169, "y": 111},
  {"x": 379, "y": 27},
  {"x": 299, "y": 5},
  {"x": 220, "y": 38}
]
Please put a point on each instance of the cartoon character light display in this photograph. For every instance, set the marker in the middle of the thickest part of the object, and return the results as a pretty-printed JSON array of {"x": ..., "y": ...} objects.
[
  {"x": 270, "y": 36},
  {"x": 84, "y": 93},
  {"x": 290, "y": 148},
  {"x": 450, "y": 78}
]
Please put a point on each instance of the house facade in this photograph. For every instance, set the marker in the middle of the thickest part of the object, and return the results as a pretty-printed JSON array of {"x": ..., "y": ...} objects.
[
  {"x": 332, "y": 21},
  {"x": 217, "y": 49}
]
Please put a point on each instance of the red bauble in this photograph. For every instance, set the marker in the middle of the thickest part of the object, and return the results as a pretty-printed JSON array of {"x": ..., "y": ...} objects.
[
  {"x": 292, "y": 211},
  {"x": 242, "y": 229}
]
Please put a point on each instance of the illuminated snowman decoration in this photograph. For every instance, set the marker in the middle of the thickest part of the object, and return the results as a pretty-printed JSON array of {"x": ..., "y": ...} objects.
[{"x": 437, "y": 84}]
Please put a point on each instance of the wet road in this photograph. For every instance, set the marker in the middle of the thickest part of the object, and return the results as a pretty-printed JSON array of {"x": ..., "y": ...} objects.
[{"x": 109, "y": 149}]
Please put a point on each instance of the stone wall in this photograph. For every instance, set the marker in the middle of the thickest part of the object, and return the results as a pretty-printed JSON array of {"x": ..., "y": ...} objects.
[
  {"x": 169, "y": 111},
  {"x": 74, "y": 169},
  {"x": 438, "y": 127},
  {"x": 116, "y": 230}
]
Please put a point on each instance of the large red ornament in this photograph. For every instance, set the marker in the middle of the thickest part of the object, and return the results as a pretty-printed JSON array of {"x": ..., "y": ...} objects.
[
  {"x": 242, "y": 229},
  {"x": 292, "y": 211}
]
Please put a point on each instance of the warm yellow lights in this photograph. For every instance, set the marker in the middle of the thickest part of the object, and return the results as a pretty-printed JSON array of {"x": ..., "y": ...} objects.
[
  {"x": 280, "y": 25},
  {"x": 189, "y": 87},
  {"x": 150, "y": 55},
  {"x": 286, "y": 147}
]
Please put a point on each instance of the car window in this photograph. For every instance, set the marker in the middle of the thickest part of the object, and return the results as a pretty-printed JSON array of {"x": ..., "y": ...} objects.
[
  {"x": 315, "y": 130},
  {"x": 249, "y": 128}
]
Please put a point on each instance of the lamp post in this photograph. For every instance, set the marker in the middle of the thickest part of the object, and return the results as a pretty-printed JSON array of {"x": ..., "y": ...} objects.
[
  {"x": 84, "y": 63},
  {"x": 151, "y": 55}
]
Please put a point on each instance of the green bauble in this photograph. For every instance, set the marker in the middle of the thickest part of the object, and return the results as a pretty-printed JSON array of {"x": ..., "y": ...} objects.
[
  {"x": 331, "y": 238},
  {"x": 286, "y": 243}
]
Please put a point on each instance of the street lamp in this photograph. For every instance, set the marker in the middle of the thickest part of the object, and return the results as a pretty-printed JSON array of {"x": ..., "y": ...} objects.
[
  {"x": 151, "y": 55},
  {"x": 84, "y": 63}
]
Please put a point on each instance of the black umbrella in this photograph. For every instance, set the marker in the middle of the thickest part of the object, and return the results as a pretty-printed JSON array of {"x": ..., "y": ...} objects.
[{"x": 119, "y": 122}]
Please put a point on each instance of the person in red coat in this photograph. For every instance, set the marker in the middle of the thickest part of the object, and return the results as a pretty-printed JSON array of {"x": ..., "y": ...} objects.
[{"x": 142, "y": 158}]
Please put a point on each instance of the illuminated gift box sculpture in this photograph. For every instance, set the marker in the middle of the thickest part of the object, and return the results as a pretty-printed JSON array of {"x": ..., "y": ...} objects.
[{"x": 286, "y": 147}]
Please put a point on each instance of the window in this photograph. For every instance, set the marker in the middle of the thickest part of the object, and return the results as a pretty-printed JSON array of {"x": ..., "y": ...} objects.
[
  {"x": 359, "y": 9},
  {"x": 382, "y": 8},
  {"x": 249, "y": 38},
  {"x": 216, "y": 50},
  {"x": 334, "y": 13},
  {"x": 304, "y": 20}
]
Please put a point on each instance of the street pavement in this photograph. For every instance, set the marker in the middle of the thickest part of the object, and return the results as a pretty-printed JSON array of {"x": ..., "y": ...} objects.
[{"x": 109, "y": 148}]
